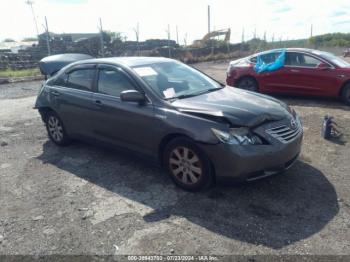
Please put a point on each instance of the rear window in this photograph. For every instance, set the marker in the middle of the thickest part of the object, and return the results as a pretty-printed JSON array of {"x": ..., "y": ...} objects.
[
  {"x": 81, "y": 79},
  {"x": 266, "y": 58},
  {"x": 59, "y": 80}
]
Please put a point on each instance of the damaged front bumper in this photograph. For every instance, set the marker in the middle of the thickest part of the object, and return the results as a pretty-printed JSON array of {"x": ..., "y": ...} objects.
[{"x": 251, "y": 162}]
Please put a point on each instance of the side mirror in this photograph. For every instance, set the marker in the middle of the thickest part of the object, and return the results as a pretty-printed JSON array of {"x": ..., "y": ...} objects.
[
  {"x": 323, "y": 66},
  {"x": 132, "y": 96}
]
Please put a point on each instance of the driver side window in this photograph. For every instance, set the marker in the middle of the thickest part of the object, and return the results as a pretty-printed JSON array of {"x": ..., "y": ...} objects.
[
  {"x": 301, "y": 60},
  {"x": 113, "y": 82}
]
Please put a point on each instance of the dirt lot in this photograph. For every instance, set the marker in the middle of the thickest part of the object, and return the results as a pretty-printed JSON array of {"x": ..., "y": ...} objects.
[{"x": 88, "y": 200}]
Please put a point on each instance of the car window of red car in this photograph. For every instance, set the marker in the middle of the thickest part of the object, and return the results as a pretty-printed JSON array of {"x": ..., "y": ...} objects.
[
  {"x": 301, "y": 59},
  {"x": 266, "y": 58}
]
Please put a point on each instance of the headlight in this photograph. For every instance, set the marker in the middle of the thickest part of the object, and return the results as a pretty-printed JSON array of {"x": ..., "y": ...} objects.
[{"x": 237, "y": 136}]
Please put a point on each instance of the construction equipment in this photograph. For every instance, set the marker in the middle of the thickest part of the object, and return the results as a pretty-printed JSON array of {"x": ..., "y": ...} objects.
[{"x": 208, "y": 37}]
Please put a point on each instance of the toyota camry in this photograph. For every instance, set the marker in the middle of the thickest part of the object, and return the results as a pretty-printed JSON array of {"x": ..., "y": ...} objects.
[{"x": 197, "y": 128}]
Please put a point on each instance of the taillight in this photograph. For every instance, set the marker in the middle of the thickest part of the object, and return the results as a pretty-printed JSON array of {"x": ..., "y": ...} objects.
[{"x": 230, "y": 71}]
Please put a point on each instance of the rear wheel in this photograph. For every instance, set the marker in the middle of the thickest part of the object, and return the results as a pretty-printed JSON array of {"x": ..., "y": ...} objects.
[
  {"x": 248, "y": 83},
  {"x": 187, "y": 165},
  {"x": 345, "y": 94},
  {"x": 55, "y": 129}
]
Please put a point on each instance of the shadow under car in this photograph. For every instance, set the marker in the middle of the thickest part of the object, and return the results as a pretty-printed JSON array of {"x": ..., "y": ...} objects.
[{"x": 273, "y": 212}]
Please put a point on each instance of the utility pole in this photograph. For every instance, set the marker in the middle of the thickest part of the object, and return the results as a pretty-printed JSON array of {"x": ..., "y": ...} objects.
[
  {"x": 311, "y": 31},
  {"x": 242, "y": 41},
  {"x": 137, "y": 33},
  {"x": 265, "y": 41},
  {"x": 243, "y": 35},
  {"x": 47, "y": 37},
  {"x": 168, "y": 33},
  {"x": 30, "y": 3},
  {"x": 185, "y": 39},
  {"x": 280, "y": 41},
  {"x": 177, "y": 36},
  {"x": 101, "y": 36},
  {"x": 208, "y": 19},
  {"x": 254, "y": 33}
]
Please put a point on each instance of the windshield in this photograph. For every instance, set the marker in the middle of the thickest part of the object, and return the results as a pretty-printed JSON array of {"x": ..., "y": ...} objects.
[
  {"x": 334, "y": 59},
  {"x": 175, "y": 80}
]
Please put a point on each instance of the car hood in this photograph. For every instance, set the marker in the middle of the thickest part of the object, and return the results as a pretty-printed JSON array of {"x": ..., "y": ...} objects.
[{"x": 238, "y": 107}]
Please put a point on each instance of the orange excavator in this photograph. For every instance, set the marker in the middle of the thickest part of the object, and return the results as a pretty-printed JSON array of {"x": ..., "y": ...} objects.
[{"x": 202, "y": 42}]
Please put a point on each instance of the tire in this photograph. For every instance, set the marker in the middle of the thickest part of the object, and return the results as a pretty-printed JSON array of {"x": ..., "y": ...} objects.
[
  {"x": 187, "y": 165},
  {"x": 345, "y": 94},
  {"x": 248, "y": 83},
  {"x": 55, "y": 129}
]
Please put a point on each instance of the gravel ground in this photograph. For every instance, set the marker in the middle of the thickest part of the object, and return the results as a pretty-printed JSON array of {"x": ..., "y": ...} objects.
[{"x": 88, "y": 200}]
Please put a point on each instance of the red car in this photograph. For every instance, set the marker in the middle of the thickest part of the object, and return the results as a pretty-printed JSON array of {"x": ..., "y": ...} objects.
[{"x": 305, "y": 72}]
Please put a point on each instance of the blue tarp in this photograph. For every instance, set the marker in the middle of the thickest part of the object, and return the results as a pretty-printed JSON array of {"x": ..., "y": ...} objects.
[{"x": 261, "y": 66}]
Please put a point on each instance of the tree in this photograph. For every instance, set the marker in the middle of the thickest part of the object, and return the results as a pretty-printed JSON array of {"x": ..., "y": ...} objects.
[
  {"x": 29, "y": 39},
  {"x": 113, "y": 35},
  {"x": 8, "y": 40},
  {"x": 331, "y": 40}
]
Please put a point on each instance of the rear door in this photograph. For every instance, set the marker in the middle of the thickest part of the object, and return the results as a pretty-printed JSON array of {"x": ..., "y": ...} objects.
[
  {"x": 71, "y": 94},
  {"x": 126, "y": 124},
  {"x": 275, "y": 81},
  {"x": 305, "y": 78}
]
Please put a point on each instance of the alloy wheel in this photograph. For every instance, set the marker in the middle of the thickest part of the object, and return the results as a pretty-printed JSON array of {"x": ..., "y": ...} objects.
[
  {"x": 247, "y": 84},
  {"x": 55, "y": 128},
  {"x": 347, "y": 95},
  {"x": 185, "y": 165}
]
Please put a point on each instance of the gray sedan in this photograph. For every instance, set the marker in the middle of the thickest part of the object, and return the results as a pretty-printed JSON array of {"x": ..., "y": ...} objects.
[{"x": 197, "y": 128}]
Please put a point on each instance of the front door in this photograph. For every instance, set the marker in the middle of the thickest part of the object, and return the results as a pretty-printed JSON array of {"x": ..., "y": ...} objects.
[
  {"x": 304, "y": 77},
  {"x": 126, "y": 124}
]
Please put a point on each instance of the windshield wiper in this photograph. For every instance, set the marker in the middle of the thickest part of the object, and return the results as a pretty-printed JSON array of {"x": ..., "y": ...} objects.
[{"x": 195, "y": 94}]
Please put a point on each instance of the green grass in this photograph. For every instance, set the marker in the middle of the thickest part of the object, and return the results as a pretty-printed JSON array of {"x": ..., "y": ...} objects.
[{"x": 20, "y": 73}]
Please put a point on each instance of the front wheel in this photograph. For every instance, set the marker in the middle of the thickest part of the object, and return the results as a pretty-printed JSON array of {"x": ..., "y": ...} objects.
[
  {"x": 345, "y": 94},
  {"x": 56, "y": 130},
  {"x": 248, "y": 83},
  {"x": 187, "y": 165}
]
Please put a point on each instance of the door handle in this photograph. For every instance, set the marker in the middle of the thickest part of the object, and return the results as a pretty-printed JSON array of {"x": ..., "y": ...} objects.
[
  {"x": 98, "y": 102},
  {"x": 55, "y": 93},
  {"x": 294, "y": 70}
]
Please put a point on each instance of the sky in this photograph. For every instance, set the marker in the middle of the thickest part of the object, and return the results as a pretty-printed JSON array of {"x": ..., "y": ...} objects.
[{"x": 285, "y": 19}]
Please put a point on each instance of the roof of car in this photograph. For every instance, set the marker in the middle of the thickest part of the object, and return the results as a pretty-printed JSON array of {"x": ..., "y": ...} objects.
[
  {"x": 306, "y": 50},
  {"x": 128, "y": 61}
]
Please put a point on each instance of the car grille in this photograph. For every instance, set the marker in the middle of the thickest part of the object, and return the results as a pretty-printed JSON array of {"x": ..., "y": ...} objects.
[{"x": 284, "y": 133}]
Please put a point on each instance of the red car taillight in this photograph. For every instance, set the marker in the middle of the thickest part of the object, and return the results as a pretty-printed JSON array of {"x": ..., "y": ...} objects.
[{"x": 231, "y": 72}]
